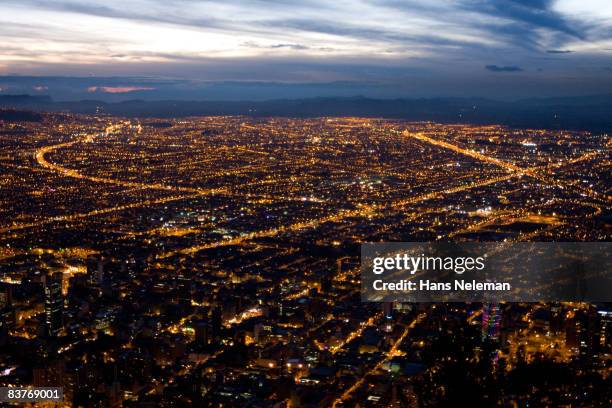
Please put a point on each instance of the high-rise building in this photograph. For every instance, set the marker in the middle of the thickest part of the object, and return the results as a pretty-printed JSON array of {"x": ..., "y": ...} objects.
[
  {"x": 491, "y": 319},
  {"x": 54, "y": 304},
  {"x": 202, "y": 332},
  {"x": 604, "y": 336},
  {"x": 5, "y": 295},
  {"x": 52, "y": 374},
  {"x": 95, "y": 270}
]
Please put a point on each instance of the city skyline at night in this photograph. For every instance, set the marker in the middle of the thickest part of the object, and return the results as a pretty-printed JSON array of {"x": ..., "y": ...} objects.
[{"x": 215, "y": 260}]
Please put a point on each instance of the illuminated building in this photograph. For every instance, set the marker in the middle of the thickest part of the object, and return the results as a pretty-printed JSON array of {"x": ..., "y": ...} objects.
[{"x": 54, "y": 304}]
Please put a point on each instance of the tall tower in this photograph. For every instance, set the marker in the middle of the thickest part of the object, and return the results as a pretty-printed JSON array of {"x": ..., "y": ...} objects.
[
  {"x": 202, "y": 332},
  {"x": 95, "y": 270},
  {"x": 5, "y": 295},
  {"x": 491, "y": 320},
  {"x": 604, "y": 336},
  {"x": 54, "y": 304}
]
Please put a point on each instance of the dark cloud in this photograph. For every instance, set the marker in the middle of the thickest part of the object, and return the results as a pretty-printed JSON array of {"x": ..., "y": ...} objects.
[
  {"x": 252, "y": 44},
  {"x": 559, "y": 51},
  {"x": 291, "y": 46},
  {"x": 524, "y": 21},
  {"x": 518, "y": 23},
  {"x": 496, "y": 68},
  {"x": 529, "y": 14}
]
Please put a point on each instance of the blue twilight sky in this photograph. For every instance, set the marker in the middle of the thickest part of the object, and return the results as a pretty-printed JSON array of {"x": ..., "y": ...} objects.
[{"x": 233, "y": 49}]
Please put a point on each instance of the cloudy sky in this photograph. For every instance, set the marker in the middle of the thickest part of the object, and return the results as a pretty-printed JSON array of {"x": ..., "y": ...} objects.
[{"x": 495, "y": 48}]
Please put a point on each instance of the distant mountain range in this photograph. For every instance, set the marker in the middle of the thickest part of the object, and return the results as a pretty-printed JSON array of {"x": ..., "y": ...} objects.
[{"x": 586, "y": 113}]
